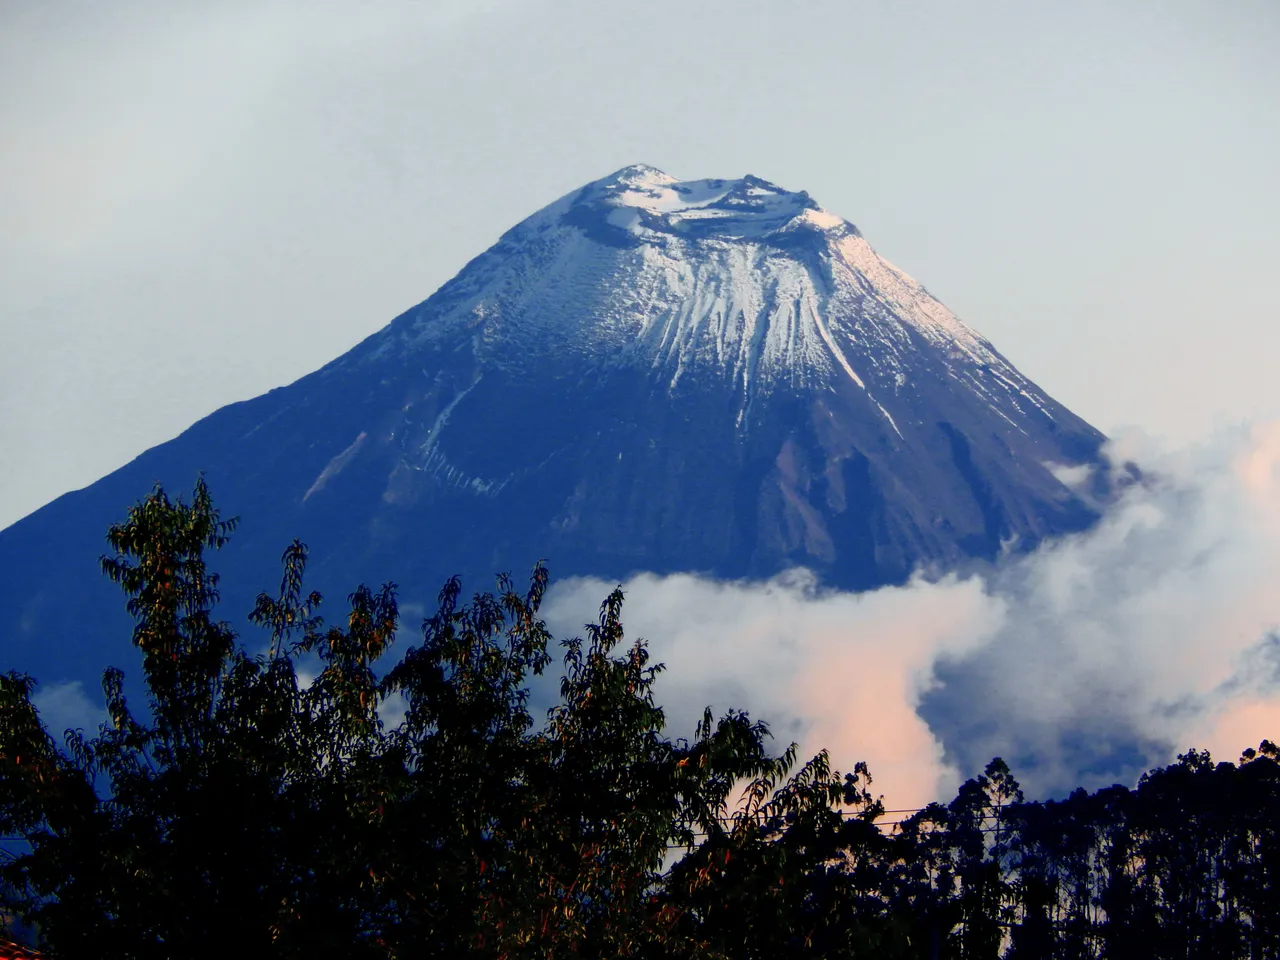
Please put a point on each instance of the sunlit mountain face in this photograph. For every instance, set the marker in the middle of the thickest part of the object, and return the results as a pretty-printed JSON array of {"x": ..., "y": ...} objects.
[{"x": 648, "y": 374}]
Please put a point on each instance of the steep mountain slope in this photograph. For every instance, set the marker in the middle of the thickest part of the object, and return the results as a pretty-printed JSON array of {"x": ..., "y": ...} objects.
[{"x": 713, "y": 375}]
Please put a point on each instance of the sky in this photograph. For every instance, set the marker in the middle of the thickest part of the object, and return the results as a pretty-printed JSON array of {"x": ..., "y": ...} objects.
[{"x": 200, "y": 202}]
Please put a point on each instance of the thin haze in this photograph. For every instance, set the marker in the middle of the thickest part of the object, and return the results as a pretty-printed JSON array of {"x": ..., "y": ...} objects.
[{"x": 203, "y": 201}]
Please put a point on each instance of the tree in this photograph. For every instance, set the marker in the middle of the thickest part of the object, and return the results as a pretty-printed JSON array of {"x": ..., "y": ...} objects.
[
  {"x": 245, "y": 805},
  {"x": 324, "y": 798}
]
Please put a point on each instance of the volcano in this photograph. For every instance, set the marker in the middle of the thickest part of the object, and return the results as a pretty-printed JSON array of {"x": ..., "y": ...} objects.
[{"x": 649, "y": 374}]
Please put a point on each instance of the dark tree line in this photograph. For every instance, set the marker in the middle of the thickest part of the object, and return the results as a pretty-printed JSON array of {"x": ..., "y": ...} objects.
[{"x": 313, "y": 800}]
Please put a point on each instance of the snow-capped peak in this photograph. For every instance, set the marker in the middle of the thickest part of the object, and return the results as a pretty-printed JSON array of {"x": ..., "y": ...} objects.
[
  {"x": 643, "y": 201},
  {"x": 735, "y": 280}
]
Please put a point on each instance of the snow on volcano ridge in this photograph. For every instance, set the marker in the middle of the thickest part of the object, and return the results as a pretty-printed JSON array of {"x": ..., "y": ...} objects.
[{"x": 735, "y": 278}]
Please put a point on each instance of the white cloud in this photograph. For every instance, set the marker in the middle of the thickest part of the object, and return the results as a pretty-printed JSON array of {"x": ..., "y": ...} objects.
[
  {"x": 1085, "y": 662},
  {"x": 1139, "y": 638},
  {"x": 822, "y": 667},
  {"x": 64, "y": 705}
]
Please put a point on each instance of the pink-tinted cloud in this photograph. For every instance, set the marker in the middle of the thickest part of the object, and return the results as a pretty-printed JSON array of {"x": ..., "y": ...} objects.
[{"x": 1083, "y": 662}]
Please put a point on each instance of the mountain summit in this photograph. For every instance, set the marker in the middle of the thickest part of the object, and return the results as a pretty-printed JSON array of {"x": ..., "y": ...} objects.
[
  {"x": 648, "y": 374},
  {"x": 736, "y": 276}
]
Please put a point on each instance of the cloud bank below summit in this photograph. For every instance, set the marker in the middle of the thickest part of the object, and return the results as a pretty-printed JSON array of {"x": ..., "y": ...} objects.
[{"x": 1085, "y": 662}]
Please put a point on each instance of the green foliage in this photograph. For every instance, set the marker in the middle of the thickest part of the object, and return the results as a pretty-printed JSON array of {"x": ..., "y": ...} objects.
[
  {"x": 249, "y": 805},
  {"x": 321, "y": 798}
]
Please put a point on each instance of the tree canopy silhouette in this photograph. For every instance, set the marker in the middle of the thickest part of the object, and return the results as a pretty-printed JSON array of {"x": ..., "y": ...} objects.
[{"x": 310, "y": 795}]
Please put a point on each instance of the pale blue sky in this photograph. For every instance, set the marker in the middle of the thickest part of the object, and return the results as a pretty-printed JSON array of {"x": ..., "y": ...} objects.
[{"x": 201, "y": 201}]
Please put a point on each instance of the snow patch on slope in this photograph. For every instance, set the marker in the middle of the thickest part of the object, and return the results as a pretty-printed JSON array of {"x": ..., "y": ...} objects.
[
  {"x": 737, "y": 279},
  {"x": 335, "y": 466}
]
